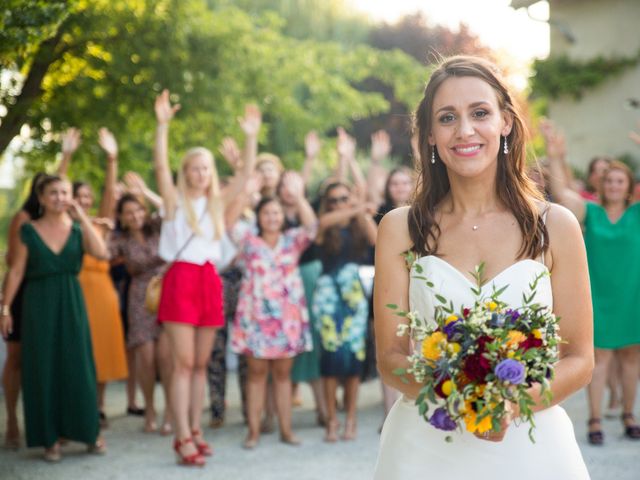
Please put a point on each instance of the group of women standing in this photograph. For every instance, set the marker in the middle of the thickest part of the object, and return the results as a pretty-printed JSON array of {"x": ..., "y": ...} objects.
[{"x": 257, "y": 222}]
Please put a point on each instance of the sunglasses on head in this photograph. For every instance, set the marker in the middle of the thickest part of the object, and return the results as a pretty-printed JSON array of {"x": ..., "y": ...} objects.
[{"x": 336, "y": 200}]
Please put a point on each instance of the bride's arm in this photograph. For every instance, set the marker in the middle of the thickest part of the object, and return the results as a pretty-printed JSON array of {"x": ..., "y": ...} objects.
[
  {"x": 392, "y": 287},
  {"x": 572, "y": 303}
]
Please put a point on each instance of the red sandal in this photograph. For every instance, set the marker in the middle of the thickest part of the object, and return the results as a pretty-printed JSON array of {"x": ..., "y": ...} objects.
[
  {"x": 193, "y": 460},
  {"x": 203, "y": 447}
]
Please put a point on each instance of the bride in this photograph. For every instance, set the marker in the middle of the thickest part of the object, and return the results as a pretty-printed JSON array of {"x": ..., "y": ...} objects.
[{"x": 474, "y": 204}]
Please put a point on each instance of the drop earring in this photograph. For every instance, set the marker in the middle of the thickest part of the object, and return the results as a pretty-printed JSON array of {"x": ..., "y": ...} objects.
[
  {"x": 505, "y": 149},
  {"x": 433, "y": 154}
]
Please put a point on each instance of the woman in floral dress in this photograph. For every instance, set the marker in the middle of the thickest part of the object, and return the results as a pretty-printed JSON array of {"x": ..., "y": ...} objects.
[{"x": 272, "y": 324}]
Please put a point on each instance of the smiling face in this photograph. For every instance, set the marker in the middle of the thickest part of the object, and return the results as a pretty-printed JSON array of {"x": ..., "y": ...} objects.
[
  {"x": 132, "y": 216},
  {"x": 197, "y": 172},
  {"x": 84, "y": 197},
  {"x": 400, "y": 186},
  {"x": 467, "y": 123},
  {"x": 337, "y": 198},
  {"x": 616, "y": 187},
  {"x": 55, "y": 197},
  {"x": 271, "y": 217}
]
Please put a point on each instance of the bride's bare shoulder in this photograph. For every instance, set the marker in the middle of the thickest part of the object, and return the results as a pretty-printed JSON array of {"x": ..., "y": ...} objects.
[{"x": 393, "y": 232}]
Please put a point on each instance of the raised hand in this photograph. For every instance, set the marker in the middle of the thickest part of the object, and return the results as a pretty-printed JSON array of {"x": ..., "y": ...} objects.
[
  {"x": 75, "y": 211},
  {"x": 312, "y": 144},
  {"x": 554, "y": 140},
  {"x": 346, "y": 144},
  {"x": 135, "y": 184},
  {"x": 70, "y": 141},
  {"x": 108, "y": 143},
  {"x": 380, "y": 146},
  {"x": 164, "y": 110},
  {"x": 231, "y": 153},
  {"x": 292, "y": 182},
  {"x": 252, "y": 121}
]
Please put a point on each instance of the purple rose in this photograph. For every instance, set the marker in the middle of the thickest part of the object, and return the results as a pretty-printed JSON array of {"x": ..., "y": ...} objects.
[
  {"x": 514, "y": 314},
  {"x": 510, "y": 370},
  {"x": 441, "y": 420}
]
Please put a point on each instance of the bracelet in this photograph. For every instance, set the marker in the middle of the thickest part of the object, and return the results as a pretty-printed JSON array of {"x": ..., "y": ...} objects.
[{"x": 6, "y": 310}]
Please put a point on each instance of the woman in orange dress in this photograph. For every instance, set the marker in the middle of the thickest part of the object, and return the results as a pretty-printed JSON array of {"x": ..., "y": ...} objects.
[{"x": 100, "y": 295}]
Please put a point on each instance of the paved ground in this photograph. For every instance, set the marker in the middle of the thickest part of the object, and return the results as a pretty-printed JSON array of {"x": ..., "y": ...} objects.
[{"x": 135, "y": 455}]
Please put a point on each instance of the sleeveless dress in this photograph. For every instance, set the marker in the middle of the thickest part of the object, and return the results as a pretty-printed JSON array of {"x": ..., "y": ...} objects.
[
  {"x": 103, "y": 309},
  {"x": 613, "y": 253},
  {"x": 58, "y": 373},
  {"x": 411, "y": 448}
]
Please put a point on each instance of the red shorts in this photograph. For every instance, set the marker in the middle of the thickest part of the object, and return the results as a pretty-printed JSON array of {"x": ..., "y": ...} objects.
[{"x": 192, "y": 294}]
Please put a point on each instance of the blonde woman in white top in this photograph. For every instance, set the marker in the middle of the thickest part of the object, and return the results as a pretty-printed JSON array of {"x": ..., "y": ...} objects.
[{"x": 193, "y": 238}]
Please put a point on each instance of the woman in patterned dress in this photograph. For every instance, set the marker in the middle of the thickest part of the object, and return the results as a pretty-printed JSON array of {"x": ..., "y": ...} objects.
[
  {"x": 137, "y": 244},
  {"x": 272, "y": 324}
]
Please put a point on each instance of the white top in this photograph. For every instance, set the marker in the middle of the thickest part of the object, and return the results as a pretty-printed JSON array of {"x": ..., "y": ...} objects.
[{"x": 202, "y": 248}]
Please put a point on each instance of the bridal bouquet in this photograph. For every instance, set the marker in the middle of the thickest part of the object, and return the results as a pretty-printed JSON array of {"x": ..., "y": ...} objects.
[{"x": 473, "y": 361}]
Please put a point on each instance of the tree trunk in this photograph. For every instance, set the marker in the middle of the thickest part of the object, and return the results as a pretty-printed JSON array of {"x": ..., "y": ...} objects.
[{"x": 31, "y": 90}]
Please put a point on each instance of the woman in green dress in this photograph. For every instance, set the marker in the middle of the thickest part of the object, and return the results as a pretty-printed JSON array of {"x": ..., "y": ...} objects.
[
  {"x": 612, "y": 238},
  {"x": 58, "y": 372}
]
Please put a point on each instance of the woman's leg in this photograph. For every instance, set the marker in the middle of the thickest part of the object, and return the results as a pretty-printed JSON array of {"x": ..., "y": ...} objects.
[
  {"x": 320, "y": 401},
  {"x": 629, "y": 366},
  {"x": 330, "y": 385},
  {"x": 11, "y": 387},
  {"x": 257, "y": 371},
  {"x": 132, "y": 381},
  {"x": 146, "y": 368},
  {"x": 596, "y": 388},
  {"x": 351, "y": 386},
  {"x": 205, "y": 337},
  {"x": 182, "y": 341},
  {"x": 165, "y": 366},
  {"x": 281, "y": 374}
]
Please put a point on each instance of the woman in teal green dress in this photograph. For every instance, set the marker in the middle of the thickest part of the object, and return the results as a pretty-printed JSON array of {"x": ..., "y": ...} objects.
[
  {"x": 612, "y": 238},
  {"x": 58, "y": 373}
]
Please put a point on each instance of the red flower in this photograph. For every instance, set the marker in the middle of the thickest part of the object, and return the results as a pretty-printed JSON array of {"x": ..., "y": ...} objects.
[
  {"x": 531, "y": 342},
  {"x": 465, "y": 312},
  {"x": 476, "y": 367}
]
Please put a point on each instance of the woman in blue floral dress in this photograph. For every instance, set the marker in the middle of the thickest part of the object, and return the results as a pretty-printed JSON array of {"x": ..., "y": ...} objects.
[{"x": 346, "y": 231}]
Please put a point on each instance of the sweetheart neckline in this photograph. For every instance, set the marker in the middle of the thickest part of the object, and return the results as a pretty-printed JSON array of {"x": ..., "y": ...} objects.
[{"x": 493, "y": 279}]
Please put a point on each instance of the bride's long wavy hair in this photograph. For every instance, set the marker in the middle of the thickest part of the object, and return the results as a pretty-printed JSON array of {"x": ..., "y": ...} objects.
[{"x": 514, "y": 188}]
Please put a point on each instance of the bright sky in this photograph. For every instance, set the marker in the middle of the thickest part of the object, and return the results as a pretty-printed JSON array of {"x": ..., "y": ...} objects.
[{"x": 497, "y": 24}]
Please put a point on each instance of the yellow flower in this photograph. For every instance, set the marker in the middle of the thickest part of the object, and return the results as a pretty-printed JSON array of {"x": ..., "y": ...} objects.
[
  {"x": 453, "y": 347},
  {"x": 514, "y": 338},
  {"x": 451, "y": 318},
  {"x": 447, "y": 387},
  {"x": 491, "y": 305},
  {"x": 472, "y": 423},
  {"x": 537, "y": 333},
  {"x": 510, "y": 354},
  {"x": 431, "y": 346}
]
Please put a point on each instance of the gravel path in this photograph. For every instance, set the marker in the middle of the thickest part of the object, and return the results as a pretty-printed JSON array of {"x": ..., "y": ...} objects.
[{"x": 135, "y": 455}]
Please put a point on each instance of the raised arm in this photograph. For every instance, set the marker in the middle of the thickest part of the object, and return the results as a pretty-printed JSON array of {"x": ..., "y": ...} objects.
[
  {"x": 92, "y": 241},
  {"x": 231, "y": 153},
  {"x": 572, "y": 303},
  {"x": 137, "y": 186},
  {"x": 164, "y": 113},
  {"x": 70, "y": 143},
  {"x": 292, "y": 182},
  {"x": 377, "y": 174},
  {"x": 558, "y": 182},
  {"x": 311, "y": 149},
  {"x": 250, "y": 124},
  {"x": 392, "y": 287},
  {"x": 108, "y": 143},
  {"x": 346, "y": 147}
]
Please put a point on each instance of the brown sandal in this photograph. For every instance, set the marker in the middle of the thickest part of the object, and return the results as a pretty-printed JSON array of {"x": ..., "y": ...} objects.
[
  {"x": 631, "y": 431},
  {"x": 595, "y": 437}
]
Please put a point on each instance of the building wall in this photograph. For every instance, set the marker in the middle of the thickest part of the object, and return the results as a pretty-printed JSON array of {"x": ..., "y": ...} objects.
[{"x": 599, "y": 123}]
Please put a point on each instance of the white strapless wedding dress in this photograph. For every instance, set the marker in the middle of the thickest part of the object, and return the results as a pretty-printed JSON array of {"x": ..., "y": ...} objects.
[{"x": 410, "y": 448}]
